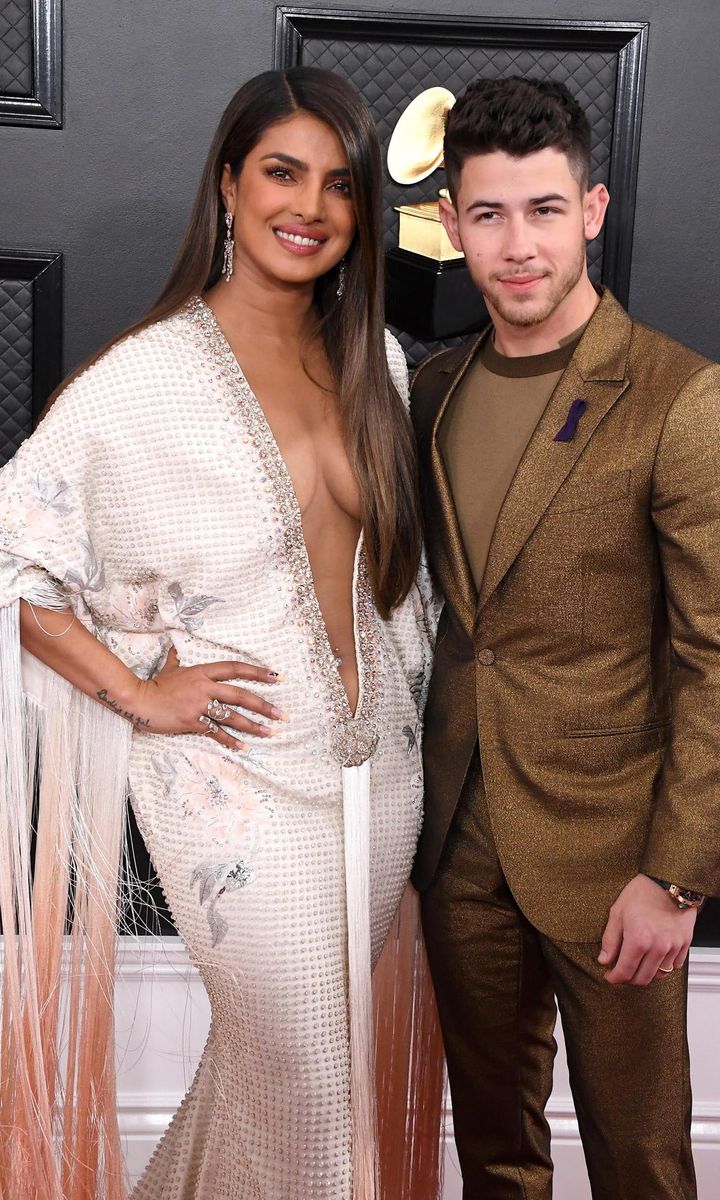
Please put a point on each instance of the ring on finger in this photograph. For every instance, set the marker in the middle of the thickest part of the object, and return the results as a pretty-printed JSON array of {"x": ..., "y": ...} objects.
[
  {"x": 666, "y": 970},
  {"x": 212, "y": 726},
  {"x": 218, "y": 710}
]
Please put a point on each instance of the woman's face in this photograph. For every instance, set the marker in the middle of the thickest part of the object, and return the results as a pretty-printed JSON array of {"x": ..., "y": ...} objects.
[{"x": 294, "y": 214}]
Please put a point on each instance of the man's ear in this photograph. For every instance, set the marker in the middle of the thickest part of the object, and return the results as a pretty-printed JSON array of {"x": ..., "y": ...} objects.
[
  {"x": 595, "y": 204},
  {"x": 448, "y": 216}
]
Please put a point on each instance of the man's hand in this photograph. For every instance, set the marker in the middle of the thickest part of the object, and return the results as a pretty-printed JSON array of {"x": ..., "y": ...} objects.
[{"x": 646, "y": 931}]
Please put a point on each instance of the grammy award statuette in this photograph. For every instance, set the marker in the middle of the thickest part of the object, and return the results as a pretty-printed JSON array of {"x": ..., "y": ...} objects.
[{"x": 429, "y": 290}]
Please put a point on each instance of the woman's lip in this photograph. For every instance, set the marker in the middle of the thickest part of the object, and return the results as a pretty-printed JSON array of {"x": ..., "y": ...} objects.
[
  {"x": 313, "y": 247},
  {"x": 301, "y": 231}
]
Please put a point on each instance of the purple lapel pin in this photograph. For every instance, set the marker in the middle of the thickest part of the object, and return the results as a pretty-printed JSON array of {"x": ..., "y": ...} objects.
[{"x": 569, "y": 429}]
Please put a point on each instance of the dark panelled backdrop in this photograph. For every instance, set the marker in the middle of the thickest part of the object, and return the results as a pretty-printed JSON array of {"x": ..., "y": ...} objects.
[{"x": 103, "y": 134}]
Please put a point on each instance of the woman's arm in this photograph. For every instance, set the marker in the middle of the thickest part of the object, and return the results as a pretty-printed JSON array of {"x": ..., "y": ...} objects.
[{"x": 172, "y": 702}]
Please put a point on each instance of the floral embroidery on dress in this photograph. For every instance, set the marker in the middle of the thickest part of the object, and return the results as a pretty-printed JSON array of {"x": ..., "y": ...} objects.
[
  {"x": 13, "y": 564},
  {"x": 135, "y": 607},
  {"x": 29, "y": 519},
  {"x": 428, "y": 597},
  {"x": 417, "y": 688},
  {"x": 417, "y": 787},
  {"x": 89, "y": 574},
  {"x": 261, "y": 758},
  {"x": 189, "y": 609},
  {"x": 50, "y": 494},
  {"x": 411, "y": 734},
  {"x": 213, "y": 790},
  {"x": 34, "y": 529},
  {"x": 215, "y": 880},
  {"x": 144, "y": 652}
]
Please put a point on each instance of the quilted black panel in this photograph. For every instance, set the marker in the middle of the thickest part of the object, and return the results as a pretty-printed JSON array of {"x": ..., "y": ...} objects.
[
  {"x": 16, "y": 48},
  {"x": 16, "y": 329},
  {"x": 390, "y": 74}
]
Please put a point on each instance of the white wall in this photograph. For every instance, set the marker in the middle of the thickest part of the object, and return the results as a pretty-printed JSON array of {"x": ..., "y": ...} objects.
[{"x": 162, "y": 1022}]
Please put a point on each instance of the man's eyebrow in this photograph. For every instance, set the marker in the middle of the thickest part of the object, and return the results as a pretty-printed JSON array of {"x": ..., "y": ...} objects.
[
  {"x": 535, "y": 201},
  {"x": 302, "y": 166},
  {"x": 484, "y": 204},
  {"x": 546, "y": 199}
]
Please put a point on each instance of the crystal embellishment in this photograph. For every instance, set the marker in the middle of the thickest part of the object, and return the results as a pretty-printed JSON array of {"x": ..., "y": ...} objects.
[{"x": 353, "y": 741}]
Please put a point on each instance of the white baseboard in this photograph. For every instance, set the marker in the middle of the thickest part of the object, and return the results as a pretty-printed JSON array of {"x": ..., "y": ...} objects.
[
  {"x": 162, "y": 1016},
  {"x": 162, "y": 967},
  {"x": 705, "y": 1125}
]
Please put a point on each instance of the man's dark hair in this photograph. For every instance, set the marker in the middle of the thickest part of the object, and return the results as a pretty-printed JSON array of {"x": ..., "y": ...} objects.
[{"x": 519, "y": 116}]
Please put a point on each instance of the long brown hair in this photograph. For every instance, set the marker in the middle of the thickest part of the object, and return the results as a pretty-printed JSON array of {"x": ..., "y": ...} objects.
[{"x": 376, "y": 427}]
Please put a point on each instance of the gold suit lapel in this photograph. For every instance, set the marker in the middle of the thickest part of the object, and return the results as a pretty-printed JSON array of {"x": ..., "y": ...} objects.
[
  {"x": 596, "y": 375},
  {"x": 455, "y": 575}
]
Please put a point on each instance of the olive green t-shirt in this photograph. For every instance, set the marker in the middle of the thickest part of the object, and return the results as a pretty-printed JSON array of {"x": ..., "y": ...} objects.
[{"x": 484, "y": 433}]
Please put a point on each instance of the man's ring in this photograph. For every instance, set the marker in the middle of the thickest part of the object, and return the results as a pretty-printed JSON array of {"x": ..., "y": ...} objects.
[
  {"x": 218, "y": 710},
  {"x": 666, "y": 970},
  {"x": 212, "y": 726}
]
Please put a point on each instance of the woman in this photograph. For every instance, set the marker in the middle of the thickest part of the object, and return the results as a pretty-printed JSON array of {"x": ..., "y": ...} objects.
[{"x": 214, "y": 535}]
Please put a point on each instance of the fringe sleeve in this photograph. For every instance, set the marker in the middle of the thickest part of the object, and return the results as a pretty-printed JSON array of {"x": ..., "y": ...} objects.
[
  {"x": 63, "y": 769},
  {"x": 46, "y": 500}
]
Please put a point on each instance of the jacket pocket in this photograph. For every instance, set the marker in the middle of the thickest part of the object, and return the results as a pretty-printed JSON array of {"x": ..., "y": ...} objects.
[
  {"x": 581, "y": 494},
  {"x": 620, "y": 731}
]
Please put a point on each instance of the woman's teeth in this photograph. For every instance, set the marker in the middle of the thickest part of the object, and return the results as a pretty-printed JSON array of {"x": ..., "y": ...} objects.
[{"x": 296, "y": 239}]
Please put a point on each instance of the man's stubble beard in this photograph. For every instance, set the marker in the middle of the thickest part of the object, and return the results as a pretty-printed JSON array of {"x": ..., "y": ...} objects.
[{"x": 560, "y": 288}]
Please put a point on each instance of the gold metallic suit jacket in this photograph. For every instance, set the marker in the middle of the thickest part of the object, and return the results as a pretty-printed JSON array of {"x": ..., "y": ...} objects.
[{"x": 589, "y": 665}]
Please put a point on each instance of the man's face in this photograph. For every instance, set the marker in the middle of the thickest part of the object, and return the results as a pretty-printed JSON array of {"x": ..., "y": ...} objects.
[{"x": 523, "y": 224}]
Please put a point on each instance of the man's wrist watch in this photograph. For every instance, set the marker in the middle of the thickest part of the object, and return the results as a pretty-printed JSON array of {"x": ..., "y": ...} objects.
[{"x": 683, "y": 897}]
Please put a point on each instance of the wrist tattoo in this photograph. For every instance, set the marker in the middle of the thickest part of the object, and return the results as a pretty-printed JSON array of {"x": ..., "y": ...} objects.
[{"x": 121, "y": 712}]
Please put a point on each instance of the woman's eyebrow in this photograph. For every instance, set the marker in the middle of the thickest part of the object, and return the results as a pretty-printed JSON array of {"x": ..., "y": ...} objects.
[
  {"x": 286, "y": 158},
  {"x": 300, "y": 165}
]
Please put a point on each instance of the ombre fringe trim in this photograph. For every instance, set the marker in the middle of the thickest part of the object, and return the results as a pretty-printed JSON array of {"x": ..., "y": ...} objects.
[
  {"x": 63, "y": 771},
  {"x": 409, "y": 1063}
]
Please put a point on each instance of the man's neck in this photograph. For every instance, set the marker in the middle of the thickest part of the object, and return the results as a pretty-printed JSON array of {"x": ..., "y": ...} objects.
[{"x": 519, "y": 341}]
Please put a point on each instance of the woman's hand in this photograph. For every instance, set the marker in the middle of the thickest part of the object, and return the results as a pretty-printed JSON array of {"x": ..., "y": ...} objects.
[
  {"x": 178, "y": 700},
  {"x": 197, "y": 700}
]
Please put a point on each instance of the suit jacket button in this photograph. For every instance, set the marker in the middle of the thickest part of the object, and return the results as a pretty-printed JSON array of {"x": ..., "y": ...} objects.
[{"x": 486, "y": 657}]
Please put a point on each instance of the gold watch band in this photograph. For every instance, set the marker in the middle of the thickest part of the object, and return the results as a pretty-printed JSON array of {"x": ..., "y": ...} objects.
[{"x": 684, "y": 898}]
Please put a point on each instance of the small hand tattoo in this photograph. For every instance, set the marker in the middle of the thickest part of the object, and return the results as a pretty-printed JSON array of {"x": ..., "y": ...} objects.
[{"x": 113, "y": 704}]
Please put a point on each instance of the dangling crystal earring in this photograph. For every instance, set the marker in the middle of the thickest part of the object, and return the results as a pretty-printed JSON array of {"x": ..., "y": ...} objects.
[
  {"x": 228, "y": 247},
  {"x": 341, "y": 281}
]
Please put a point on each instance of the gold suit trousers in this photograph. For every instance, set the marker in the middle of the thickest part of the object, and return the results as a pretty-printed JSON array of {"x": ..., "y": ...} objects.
[{"x": 497, "y": 981}]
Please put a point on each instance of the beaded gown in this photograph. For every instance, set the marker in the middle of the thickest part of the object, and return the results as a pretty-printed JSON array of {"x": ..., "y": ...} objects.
[{"x": 154, "y": 500}]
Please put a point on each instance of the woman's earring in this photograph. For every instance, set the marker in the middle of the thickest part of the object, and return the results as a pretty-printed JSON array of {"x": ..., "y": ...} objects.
[
  {"x": 228, "y": 247},
  {"x": 341, "y": 281}
]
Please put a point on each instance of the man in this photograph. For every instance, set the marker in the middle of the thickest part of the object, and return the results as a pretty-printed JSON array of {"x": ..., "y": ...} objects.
[{"x": 571, "y": 462}]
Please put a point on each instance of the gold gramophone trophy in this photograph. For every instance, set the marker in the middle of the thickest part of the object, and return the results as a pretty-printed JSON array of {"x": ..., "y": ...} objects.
[{"x": 429, "y": 290}]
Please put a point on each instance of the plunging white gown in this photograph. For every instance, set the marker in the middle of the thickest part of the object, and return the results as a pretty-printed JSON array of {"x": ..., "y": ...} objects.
[{"x": 154, "y": 499}]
